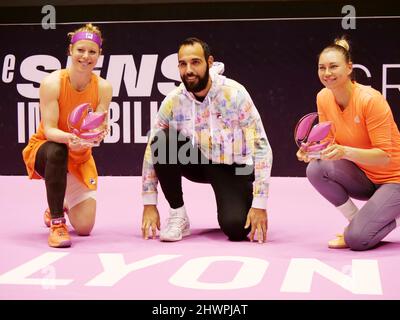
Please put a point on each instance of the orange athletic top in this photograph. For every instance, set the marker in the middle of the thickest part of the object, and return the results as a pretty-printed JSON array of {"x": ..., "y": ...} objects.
[
  {"x": 366, "y": 123},
  {"x": 81, "y": 164}
]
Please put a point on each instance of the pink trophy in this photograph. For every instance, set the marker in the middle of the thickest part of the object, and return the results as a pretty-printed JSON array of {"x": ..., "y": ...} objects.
[
  {"x": 310, "y": 136},
  {"x": 83, "y": 122}
]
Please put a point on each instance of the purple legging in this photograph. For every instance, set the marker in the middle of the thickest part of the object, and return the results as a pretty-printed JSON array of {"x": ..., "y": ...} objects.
[{"x": 341, "y": 179}]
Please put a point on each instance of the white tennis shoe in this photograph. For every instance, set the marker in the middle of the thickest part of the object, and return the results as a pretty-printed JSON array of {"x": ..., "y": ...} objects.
[{"x": 177, "y": 227}]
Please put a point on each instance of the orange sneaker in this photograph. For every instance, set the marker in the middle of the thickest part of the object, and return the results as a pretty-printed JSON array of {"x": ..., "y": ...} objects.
[
  {"x": 338, "y": 242},
  {"x": 59, "y": 236},
  {"x": 47, "y": 216}
]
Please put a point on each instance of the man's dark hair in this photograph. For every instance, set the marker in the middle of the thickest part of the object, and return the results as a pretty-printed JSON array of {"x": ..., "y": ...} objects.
[{"x": 192, "y": 40}]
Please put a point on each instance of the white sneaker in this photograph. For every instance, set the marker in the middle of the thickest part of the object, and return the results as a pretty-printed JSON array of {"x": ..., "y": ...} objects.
[{"x": 178, "y": 225}]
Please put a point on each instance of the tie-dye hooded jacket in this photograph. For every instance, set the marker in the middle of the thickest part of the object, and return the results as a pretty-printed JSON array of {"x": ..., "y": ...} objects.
[{"x": 226, "y": 127}]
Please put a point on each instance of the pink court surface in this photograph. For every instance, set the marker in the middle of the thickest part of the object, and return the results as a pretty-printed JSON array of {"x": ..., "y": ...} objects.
[{"x": 116, "y": 263}]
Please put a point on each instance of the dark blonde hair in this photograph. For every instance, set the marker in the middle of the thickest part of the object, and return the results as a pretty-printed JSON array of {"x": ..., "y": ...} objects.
[
  {"x": 86, "y": 28},
  {"x": 342, "y": 45}
]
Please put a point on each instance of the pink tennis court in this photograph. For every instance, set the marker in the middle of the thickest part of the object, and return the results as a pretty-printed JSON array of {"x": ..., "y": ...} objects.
[{"x": 116, "y": 263}]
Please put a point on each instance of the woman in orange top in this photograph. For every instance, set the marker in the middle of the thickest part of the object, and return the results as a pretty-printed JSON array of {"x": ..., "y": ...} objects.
[
  {"x": 364, "y": 161},
  {"x": 63, "y": 159}
]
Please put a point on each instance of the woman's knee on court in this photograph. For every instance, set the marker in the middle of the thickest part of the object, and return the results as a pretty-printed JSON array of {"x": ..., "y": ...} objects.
[
  {"x": 84, "y": 228},
  {"x": 82, "y": 216},
  {"x": 357, "y": 239}
]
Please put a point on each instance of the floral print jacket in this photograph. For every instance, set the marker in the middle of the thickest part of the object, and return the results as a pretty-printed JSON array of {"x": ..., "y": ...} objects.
[{"x": 225, "y": 126}]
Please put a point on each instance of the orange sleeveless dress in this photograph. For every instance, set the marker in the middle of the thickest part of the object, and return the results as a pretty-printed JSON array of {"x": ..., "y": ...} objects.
[{"x": 81, "y": 164}]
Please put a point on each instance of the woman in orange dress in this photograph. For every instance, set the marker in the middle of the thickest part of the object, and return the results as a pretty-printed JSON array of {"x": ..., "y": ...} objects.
[{"x": 60, "y": 157}]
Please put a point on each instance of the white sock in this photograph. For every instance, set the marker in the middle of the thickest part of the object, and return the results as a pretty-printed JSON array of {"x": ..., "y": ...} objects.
[
  {"x": 181, "y": 210},
  {"x": 348, "y": 209}
]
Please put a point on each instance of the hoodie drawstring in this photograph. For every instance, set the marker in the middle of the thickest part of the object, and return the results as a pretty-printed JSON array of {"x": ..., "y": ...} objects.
[
  {"x": 211, "y": 119},
  {"x": 193, "y": 121}
]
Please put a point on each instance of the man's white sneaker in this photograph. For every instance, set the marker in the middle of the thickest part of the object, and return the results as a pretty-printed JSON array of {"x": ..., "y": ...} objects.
[{"x": 177, "y": 227}]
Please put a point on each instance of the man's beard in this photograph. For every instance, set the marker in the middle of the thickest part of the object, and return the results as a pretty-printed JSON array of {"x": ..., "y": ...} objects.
[{"x": 200, "y": 85}]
